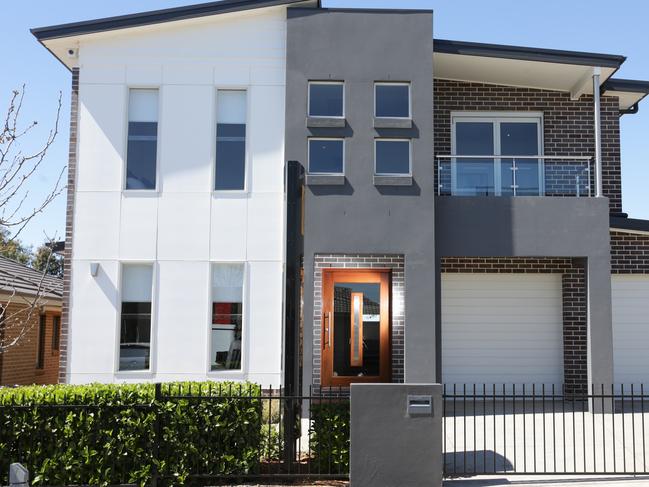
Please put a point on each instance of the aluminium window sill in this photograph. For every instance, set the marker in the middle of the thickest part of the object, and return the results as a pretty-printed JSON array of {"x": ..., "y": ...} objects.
[
  {"x": 392, "y": 180},
  {"x": 326, "y": 122},
  {"x": 392, "y": 123},
  {"x": 325, "y": 179}
]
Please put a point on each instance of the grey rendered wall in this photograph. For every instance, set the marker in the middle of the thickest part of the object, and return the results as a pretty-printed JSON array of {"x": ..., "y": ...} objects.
[
  {"x": 539, "y": 227},
  {"x": 414, "y": 455},
  {"x": 361, "y": 47}
]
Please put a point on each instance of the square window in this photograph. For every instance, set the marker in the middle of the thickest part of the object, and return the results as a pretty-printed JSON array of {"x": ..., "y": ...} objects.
[
  {"x": 326, "y": 156},
  {"x": 392, "y": 100},
  {"x": 392, "y": 157},
  {"x": 326, "y": 100}
]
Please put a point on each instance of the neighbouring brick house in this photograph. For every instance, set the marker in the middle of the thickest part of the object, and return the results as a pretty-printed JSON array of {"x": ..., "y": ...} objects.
[
  {"x": 342, "y": 199},
  {"x": 31, "y": 315}
]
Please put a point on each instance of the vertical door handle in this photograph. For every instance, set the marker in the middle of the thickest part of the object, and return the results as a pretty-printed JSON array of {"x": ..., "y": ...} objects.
[{"x": 327, "y": 329}]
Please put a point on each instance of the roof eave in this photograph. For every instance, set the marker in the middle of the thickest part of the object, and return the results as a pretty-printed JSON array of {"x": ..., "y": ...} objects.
[
  {"x": 153, "y": 17},
  {"x": 463, "y": 48}
]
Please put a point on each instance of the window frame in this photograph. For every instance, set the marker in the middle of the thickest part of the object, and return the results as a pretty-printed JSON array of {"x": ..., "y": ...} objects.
[
  {"x": 308, "y": 150},
  {"x": 154, "y": 306},
  {"x": 394, "y": 83},
  {"x": 56, "y": 333},
  {"x": 244, "y": 321},
  {"x": 393, "y": 139},
  {"x": 40, "y": 344},
  {"x": 308, "y": 99},
  {"x": 215, "y": 126},
  {"x": 155, "y": 190},
  {"x": 496, "y": 118}
]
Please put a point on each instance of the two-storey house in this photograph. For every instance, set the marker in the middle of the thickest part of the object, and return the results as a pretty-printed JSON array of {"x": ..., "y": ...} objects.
[{"x": 275, "y": 191}]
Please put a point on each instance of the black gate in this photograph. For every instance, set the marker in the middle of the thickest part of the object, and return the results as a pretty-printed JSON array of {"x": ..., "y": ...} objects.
[{"x": 532, "y": 430}]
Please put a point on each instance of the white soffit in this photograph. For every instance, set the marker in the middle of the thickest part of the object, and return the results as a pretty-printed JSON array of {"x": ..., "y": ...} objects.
[
  {"x": 571, "y": 78},
  {"x": 627, "y": 98}
]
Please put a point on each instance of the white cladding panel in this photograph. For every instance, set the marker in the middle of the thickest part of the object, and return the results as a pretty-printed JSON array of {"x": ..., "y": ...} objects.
[
  {"x": 630, "y": 297},
  {"x": 102, "y": 137},
  {"x": 502, "y": 329},
  {"x": 183, "y": 226}
]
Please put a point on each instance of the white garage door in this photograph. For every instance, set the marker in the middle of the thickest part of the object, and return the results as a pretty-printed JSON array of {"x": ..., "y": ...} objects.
[
  {"x": 631, "y": 329},
  {"x": 502, "y": 329}
]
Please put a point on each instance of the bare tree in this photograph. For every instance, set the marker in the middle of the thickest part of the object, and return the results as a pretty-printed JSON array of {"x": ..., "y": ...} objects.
[{"x": 18, "y": 169}]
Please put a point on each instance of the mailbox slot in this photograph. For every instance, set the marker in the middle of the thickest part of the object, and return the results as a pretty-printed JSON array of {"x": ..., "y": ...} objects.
[{"x": 420, "y": 405}]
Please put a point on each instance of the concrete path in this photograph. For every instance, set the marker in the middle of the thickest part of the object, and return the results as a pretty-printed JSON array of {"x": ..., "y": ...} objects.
[
  {"x": 554, "y": 442},
  {"x": 553, "y": 481}
]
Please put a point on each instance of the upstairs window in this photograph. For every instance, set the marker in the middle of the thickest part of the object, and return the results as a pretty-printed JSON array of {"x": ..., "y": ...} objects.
[
  {"x": 231, "y": 109},
  {"x": 135, "y": 329},
  {"x": 326, "y": 156},
  {"x": 142, "y": 151},
  {"x": 326, "y": 99},
  {"x": 227, "y": 316},
  {"x": 392, "y": 100},
  {"x": 392, "y": 157}
]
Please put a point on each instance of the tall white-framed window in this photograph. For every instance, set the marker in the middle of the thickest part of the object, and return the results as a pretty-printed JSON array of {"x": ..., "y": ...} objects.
[
  {"x": 499, "y": 137},
  {"x": 326, "y": 99},
  {"x": 135, "y": 317},
  {"x": 227, "y": 315},
  {"x": 142, "y": 143},
  {"x": 231, "y": 147},
  {"x": 326, "y": 155},
  {"x": 392, "y": 100},
  {"x": 392, "y": 157}
]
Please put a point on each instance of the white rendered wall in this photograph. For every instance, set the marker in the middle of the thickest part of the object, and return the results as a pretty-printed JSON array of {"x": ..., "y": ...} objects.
[{"x": 184, "y": 226}]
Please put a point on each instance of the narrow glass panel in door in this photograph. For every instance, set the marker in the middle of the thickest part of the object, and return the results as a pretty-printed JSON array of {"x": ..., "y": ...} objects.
[
  {"x": 474, "y": 177},
  {"x": 355, "y": 327},
  {"x": 520, "y": 177}
]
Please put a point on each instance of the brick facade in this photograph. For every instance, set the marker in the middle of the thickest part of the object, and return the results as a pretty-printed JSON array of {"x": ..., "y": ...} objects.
[
  {"x": 629, "y": 253},
  {"x": 69, "y": 220},
  {"x": 18, "y": 365},
  {"x": 336, "y": 261},
  {"x": 575, "y": 328},
  {"x": 568, "y": 127}
]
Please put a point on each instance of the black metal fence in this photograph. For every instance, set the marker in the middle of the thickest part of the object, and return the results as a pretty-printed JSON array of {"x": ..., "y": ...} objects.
[
  {"x": 301, "y": 436},
  {"x": 511, "y": 429},
  {"x": 205, "y": 434}
]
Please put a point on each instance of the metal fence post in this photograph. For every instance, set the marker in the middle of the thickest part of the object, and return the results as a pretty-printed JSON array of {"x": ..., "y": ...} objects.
[{"x": 157, "y": 435}]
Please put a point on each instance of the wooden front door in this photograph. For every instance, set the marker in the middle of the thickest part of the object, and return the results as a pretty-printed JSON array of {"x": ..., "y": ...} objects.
[{"x": 355, "y": 326}]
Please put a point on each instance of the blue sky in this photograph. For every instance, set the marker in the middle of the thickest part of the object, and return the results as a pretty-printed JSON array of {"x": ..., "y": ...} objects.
[{"x": 588, "y": 25}]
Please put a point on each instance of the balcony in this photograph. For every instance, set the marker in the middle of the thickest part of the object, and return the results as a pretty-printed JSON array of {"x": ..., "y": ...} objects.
[{"x": 529, "y": 175}]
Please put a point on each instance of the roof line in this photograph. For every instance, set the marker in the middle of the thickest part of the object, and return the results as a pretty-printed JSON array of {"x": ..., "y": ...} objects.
[
  {"x": 446, "y": 46},
  {"x": 632, "y": 224},
  {"x": 153, "y": 17},
  {"x": 626, "y": 85}
]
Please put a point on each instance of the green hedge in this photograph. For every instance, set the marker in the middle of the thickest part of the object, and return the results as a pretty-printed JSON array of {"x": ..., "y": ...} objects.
[
  {"x": 109, "y": 435},
  {"x": 329, "y": 436}
]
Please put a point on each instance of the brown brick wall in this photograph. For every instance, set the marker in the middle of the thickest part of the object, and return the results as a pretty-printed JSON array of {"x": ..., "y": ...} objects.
[
  {"x": 575, "y": 331},
  {"x": 69, "y": 219},
  {"x": 629, "y": 253},
  {"x": 357, "y": 261},
  {"x": 568, "y": 125},
  {"x": 19, "y": 362}
]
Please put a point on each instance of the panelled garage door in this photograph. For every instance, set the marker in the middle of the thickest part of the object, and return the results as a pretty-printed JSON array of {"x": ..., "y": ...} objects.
[
  {"x": 502, "y": 329},
  {"x": 630, "y": 294}
]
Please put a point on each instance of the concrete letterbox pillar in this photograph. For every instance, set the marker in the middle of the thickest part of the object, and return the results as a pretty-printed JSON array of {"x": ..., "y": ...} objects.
[{"x": 396, "y": 435}]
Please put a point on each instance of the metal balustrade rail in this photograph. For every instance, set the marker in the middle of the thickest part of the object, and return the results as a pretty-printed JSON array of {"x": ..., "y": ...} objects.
[
  {"x": 538, "y": 429},
  {"x": 498, "y": 175}
]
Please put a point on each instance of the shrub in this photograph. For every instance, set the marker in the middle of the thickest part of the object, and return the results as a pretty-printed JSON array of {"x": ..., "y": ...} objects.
[
  {"x": 329, "y": 436},
  {"x": 106, "y": 434}
]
